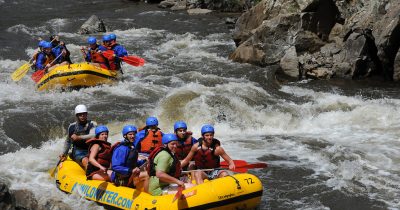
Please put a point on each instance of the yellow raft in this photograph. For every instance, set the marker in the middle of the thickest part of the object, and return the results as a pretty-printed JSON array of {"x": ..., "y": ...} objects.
[
  {"x": 76, "y": 75},
  {"x": 239, "y": 191}
]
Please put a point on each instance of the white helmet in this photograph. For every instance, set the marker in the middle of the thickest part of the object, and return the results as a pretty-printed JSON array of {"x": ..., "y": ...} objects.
[{"x": 80, "y": 109}]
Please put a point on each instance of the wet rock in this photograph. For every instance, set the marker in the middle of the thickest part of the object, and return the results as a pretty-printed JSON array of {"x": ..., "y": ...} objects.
[
  {"x": 25, "y": 199},
  {"x": 396, "y": 74},
  {"x": 290, "y": 63},
  {"x": 6, "y": 199},
  {"x": 180, "y": 5},
  {"x": 198, "y": 11},
  {"x": 167, "y": 4},
  {"x": 55, "y": 205},
  {"x": 320, "y": 73},
  {"x": 92, "y": 25}
]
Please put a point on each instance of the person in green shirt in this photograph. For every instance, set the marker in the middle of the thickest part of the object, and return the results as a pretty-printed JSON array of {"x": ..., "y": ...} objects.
[{"x": 165, "y": 168}]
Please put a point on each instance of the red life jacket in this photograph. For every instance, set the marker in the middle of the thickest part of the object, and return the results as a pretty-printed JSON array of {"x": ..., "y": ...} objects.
[
  {"x": 175, "y": 169},
  {"x": 98, "y": 57},
  {"x": 151, "y": 141},
  {"x": 105, "y": 154},
  {"x": 205, "y": 159},
  {"x": 184, "y": 147},
  {"x": 111, "y": 60}
]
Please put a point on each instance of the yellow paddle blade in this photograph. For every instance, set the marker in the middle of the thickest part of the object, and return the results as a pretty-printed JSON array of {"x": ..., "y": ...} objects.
[{"x": 20, "y": 72}]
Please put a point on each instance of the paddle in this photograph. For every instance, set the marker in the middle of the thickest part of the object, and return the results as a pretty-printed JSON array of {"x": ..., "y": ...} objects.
[
  {"x": 244, "y": 164},
  {"x": 178, "y": 194},
  {"x": 54, "y": 169},
  {"x": 40, "y": 73},
  {"x": 241, "y": 166},
  {"x": 129, "y": 59}
]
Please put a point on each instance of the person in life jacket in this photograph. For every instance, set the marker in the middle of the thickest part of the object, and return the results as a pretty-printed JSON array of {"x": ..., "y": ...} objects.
[
  {"x": 164, "y": 167},
  {"x": 44, "y": 59},
  {"x": 149, "y": 137},
  {"x": 94, "y": 54},
  {"x": 125, "y": 163},
  {"x": 110, "y": 55},
  {"x": 59, "y": 47},
  {"x": 206, "y": 154},
  {"x": 78, "y": 133},
  {"x": 185, "y": 139},
  {"x": 100, "y": 154},
  {"x": 35, "y": 55},
  {"x": 119, "y": 50}
]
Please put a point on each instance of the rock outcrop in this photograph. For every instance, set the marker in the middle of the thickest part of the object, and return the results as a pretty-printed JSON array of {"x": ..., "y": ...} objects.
[{"x": 349, "y": 39}]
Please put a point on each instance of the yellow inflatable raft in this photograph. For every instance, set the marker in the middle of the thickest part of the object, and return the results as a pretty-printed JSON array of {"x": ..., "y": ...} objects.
[
  {"x": 239, "y": 191},
  {"x": 76, "y": 75}
]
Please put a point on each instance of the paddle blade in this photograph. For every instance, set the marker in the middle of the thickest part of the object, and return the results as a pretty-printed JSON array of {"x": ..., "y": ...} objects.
[
  {"x": 243, "y": 165},
  {"x": 37, "y": 75},
  {"x": 133, "y": 60},
  {"x": 20, "y": 72},
  {"x": 178, "y": 194}
]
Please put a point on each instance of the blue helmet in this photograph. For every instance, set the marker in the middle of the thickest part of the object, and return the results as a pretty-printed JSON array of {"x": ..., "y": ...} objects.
[
  {"x": 180, "y": 124},
  {"x": 106, "y": 38},
  {"x": 128, "y": 128},
  {"x": 207, "y": 129},
  {"x": 151, "y": 121},
  {"x": 41, "y": 43},
  {"x": 168, "y": 137},
  {"x": 91, "y": 40},
  {"x": 47, "y": 45},
  {"x": 113, "y": 36},
  {"x": 100, "y": 129}
]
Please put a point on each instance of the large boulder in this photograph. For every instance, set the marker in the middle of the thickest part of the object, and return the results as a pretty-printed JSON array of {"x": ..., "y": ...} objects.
[{"x": 92, "y": 25}]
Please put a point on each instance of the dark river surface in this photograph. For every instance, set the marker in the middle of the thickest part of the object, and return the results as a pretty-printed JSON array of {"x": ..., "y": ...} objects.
[{"x": 329, "y": 145}]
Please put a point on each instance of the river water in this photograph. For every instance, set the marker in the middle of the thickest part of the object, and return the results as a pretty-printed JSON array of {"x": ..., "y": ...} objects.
[{"x": 329, "y": 145}]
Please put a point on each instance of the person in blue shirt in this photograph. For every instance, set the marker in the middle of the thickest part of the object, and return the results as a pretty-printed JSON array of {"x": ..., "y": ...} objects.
[
  {"x": 44, "y": 59},
  {"x": 125, "y": 163},
  {"x": 60, "y": 48},
  {"x": 118, "y": 49},
  {"x": 94, "y": 54},
  {"x": 149, "y": 138}
]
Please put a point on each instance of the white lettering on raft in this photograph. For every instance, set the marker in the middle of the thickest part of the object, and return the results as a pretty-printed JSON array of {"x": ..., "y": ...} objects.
[{"x": 106, "y": 196}]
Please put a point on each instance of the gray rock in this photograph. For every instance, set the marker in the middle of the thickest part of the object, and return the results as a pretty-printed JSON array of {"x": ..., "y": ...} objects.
[
  {"x": 25, "y": 199},
  {"x": 396, "y": 67},
  {"x": 180, "y": 5},
  {"x": 6, "y": 198},
  {"x": 290, "y": 63},
  {"x": 92, "y": 25},
  {"x": 167, "y": 4},
  {"x": 198, "y": 11}
]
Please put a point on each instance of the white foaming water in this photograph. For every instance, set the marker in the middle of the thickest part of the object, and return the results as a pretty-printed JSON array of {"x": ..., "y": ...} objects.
[{"x": 33, "y": 31}]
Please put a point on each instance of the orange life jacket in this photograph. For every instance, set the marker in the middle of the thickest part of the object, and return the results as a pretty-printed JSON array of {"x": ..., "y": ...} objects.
[
  {"x": 151, "y": 141},
  {"x": 184, "y": 147},
  {"x": 174, "y": 171},
  {"x": 205, "y": 159}
]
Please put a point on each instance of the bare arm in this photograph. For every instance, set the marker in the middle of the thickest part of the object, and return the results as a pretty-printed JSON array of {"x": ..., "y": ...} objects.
[
  {"x": 164, "y": 177},
  {"x": 187, "y": 159},
  {"x": 221, "y": 152},
  {"x": 92, "y": 157}
]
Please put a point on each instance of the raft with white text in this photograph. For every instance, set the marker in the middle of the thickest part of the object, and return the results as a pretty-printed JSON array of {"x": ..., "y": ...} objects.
[
  {"x": 238, "y": 191},
  {"x": 76, "y": 76}
]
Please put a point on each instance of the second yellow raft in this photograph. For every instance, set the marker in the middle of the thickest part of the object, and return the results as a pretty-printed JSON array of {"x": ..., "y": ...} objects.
[{"x": 76, "y": 75}]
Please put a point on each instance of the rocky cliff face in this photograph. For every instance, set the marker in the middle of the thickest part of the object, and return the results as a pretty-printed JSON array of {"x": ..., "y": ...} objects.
[{"x": 322, "y": 38}]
